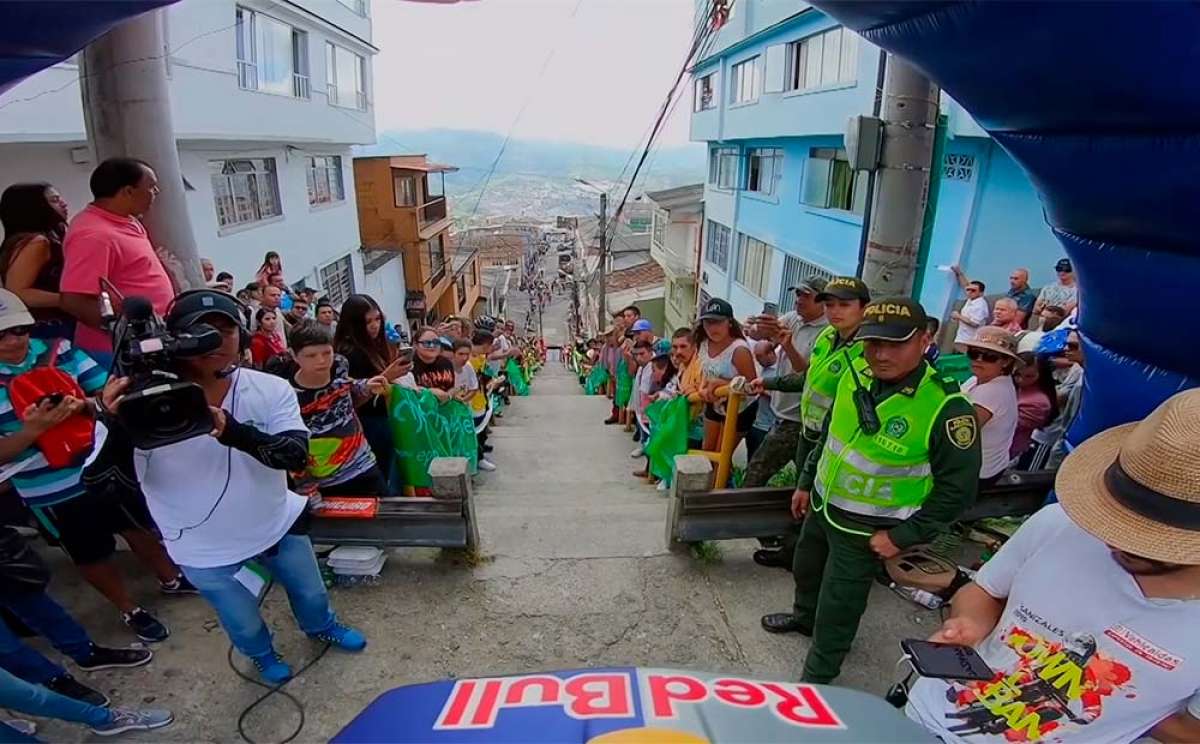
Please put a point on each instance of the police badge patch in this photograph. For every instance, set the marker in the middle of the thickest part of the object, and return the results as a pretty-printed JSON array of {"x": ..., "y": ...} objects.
[
  {"x": 835, "y": 366},
  {"x": 896, "y": 427},
  {"x": 962, "y": 431}
]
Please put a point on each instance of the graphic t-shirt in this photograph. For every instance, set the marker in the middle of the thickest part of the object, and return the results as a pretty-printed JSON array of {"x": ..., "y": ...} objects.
[
  {"x": 438, "y": 374},
  {"x": 338, "y": 450},
  {"x": 1080, "y": 653}
]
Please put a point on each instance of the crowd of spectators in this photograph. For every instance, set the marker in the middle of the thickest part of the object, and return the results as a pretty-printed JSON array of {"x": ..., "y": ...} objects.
[{"x": 297, "y": 393}]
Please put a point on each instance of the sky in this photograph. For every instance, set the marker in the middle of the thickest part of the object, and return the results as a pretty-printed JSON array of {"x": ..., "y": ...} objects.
[{"x": 473, "y": 65}]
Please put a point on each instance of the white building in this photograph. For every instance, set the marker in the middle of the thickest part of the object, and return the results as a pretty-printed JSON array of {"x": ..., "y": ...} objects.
[{"x": 267, "y": 97}]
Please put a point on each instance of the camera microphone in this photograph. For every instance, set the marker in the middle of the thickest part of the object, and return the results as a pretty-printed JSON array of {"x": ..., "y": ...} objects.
[
  {"x": 221, "y": 374},
  {"x": 137, "y": 309}
]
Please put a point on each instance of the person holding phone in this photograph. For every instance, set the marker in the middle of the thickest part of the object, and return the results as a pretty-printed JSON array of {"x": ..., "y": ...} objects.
[{"x": 1088, "y": 614}]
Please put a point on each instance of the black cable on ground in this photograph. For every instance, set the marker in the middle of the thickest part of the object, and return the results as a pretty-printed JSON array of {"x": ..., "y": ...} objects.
[{"x": 272, "y": 689}]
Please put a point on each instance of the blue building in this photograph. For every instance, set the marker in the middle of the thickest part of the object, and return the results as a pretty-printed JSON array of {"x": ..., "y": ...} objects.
[{"x": 771, "y": 98}]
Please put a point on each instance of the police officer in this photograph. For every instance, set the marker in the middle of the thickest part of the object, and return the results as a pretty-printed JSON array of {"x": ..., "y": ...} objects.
[
  {"x": 897, "y": 462},
  {"x": 834, "y": 348}
]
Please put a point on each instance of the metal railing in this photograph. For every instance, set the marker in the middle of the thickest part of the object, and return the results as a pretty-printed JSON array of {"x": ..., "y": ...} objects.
[
  {"x": 723, "y": 457},
  {"x": 247, "y": 73},
  {"x": 432, "y": 211},
  {"x": 301, "y": 87}
]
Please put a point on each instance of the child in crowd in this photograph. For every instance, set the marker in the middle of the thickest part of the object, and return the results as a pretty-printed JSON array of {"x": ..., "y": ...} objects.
[
  {"x": 265, "y": 343},
  {"x": 765, "y": 358},
  {"x": 340, "y": 461},
  {"x": 665, "y": 379},
  {"x": 481, "y": 347},
  {"x": 466, "y": 386}
]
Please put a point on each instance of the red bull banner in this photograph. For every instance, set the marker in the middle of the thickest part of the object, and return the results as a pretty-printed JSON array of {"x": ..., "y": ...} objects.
[{"x": 626, "y": 706}]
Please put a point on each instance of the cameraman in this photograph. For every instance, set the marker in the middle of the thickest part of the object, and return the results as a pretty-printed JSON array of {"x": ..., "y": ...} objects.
[{"x": 222, "y": 500}]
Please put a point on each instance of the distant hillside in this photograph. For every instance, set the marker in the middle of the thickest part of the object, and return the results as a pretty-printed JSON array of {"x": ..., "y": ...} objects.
[{"x": 535, "y": 178}]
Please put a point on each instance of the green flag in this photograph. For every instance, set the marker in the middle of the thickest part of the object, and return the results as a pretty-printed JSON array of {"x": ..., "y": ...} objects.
[
  {"x": 669, "y": 421},
  {"x": 423, "y": 428},
  {"x": 624, "y": 384},
  {"x": 596, "y": 379},
  {"x": 516, "y": 377}
]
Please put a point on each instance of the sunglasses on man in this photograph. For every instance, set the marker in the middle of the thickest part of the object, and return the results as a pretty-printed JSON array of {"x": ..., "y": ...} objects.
[
  {"x": 434, "y": 344},
  {"x": 17, "y": 331}
]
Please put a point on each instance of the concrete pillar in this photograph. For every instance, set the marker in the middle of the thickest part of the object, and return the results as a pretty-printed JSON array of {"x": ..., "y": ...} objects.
[
  {"x": 127, "y": 111},
  {"x": 910, "y": 109},
  {"x": 693, "y": 474},
  {"x": 452, "y": 482}
]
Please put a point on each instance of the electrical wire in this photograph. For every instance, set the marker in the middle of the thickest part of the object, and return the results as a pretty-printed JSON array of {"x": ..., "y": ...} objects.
[{"x": 272, "y": 690}]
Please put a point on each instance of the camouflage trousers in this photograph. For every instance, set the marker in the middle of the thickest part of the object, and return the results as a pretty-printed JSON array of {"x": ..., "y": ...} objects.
[{"x": 779, "y": 446}]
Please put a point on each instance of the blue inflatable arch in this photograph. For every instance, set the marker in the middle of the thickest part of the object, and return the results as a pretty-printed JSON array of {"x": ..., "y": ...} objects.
[{"x": 1099, "y": 102}]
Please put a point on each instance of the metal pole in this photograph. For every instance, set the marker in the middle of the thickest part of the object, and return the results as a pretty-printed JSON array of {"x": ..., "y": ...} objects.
[
  {"x": 910, "y": 116},
  {"x": 601, "y": 314},
  {"x": 127, "y": 112},
  {"x": 876, "y": 107}
]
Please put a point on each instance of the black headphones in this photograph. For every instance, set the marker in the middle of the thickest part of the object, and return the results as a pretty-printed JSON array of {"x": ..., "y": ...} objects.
[{"x": 189, "y": 306}]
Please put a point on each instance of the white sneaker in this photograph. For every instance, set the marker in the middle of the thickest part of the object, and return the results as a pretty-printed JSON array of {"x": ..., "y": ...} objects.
[
  {"x": 662, "y": 486},
  {"x": 639, "y": 452},
  {"x": 486, "y": 465}
]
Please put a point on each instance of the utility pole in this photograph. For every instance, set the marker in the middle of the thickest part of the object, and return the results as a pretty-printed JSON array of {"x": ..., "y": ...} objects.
[
  {"x": 910, "y": 110},
  {"x": 601, "y": 314},
  {"x": 127, "y": 112}
]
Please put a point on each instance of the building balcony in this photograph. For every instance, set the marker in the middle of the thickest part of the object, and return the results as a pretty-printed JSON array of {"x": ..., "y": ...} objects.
[{"x": 432, "y": 212}]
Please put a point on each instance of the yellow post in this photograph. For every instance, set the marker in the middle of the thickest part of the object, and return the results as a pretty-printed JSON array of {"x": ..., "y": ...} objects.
[{"x": 728, "y": 440}]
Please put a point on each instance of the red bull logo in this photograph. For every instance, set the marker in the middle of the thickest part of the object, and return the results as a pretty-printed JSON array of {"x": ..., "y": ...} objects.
[{"x": 798, "y": 705}]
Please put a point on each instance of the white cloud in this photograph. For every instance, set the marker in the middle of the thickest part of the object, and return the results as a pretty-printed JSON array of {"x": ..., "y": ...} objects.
[{"x": 473, "y": 65}]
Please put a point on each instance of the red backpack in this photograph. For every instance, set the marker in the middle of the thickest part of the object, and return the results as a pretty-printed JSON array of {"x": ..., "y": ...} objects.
[{"x": 71, "y": 440}]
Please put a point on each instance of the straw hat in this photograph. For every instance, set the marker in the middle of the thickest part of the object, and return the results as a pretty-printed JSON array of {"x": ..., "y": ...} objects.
[
  {"x": 996, "y": 340},
  {"x": 1137, "y": 486}
]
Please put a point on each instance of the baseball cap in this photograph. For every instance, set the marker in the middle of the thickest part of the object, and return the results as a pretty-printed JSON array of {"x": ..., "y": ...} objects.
[
  {"x": 813, "y": 284},
  {"x": 1064, "y": 264},
  {"x": 13, "y": 313},
  {"x": 662, "y": 348},
  {"x": 716, "y": 309},
  {"x": 892, "y": 319},
  {"x": 190, "y": 307},
  {"x": 845, "y": 288},
  {"x": 642, "y": 325}
]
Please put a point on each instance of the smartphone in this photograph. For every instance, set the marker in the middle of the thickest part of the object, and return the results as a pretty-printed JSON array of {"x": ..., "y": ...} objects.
[
  {"x": 770, "y": 308},
  {"x": 946, "y": 660},
  {"x": 53, "y": 399},
  {"x": 405, "y": 353}
]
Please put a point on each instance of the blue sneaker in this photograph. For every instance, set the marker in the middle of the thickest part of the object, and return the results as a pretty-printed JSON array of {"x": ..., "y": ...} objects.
[
  {"x": 342, "y": 636},
  {"x": 131, "y": 719},
  {"x": 272, "y": 667}
]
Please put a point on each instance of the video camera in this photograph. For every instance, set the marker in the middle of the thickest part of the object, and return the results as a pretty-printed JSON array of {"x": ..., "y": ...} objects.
[{"x": 158, "y": 408}]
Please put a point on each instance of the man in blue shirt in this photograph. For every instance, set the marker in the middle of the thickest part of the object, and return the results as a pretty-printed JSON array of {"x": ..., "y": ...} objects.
[{"x": 82, "y": 523}]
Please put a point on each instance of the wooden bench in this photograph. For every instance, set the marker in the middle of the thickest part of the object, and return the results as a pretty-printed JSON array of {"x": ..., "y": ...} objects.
[
  {"x": 696, "y": 512},
  {"x": 445, "y": 521}
]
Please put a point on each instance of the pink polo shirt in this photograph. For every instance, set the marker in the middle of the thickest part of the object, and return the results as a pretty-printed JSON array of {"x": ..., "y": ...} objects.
[{"x": 102, "y": 244}]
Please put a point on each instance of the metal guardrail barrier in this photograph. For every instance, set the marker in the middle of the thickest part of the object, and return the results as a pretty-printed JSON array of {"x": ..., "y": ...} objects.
[{"x": 723, "y": 457}]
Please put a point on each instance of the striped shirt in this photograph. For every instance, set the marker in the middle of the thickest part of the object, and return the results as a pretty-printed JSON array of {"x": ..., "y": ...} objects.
[{"x": 39, "y": 484}]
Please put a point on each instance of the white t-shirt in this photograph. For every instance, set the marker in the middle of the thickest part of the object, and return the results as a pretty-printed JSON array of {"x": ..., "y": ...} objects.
[
  {"x": 1000, "y": 397},
  {"x": 183, "y": 482},
  {"x": 1086, "y": 657},
  {"x": 466, "y": 378},
  {"x": 804, "y": 333},
  {"x": 976, "y": 311}
]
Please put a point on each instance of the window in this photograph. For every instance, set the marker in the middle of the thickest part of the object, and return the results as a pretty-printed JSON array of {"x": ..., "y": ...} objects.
[
  {"x": 272, "y": 57},
  {"x": 338, "y": 280},
  {"x": 358, "y": 6},
  {"x": 828, "y": 58},
  {"x": 704, "y": 92},
  {"x": 345, "y": 78},
  {"x": 406, "y": 190},
  {"x": 763, "y": 169},
  {"x": 325, "y": 179},
  {"x": 722, "y": 167},
  {"x": 245, "y": 191},
  {"x": 829, "y": 183},
  {"x": 717, "y": 251},
  {"x": 743, "y": 81},
  {"x": 461, "y": 288},
  {"x": 753, "y": 264},
  {"x": 659, "y": 231},
  {"x": 795, "y": 270},
  {"x": 435, "y": 250}
]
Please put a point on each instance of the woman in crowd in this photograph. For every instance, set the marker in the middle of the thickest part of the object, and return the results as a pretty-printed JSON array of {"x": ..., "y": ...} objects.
[
  {"x": 360, "y": 337},
  {"x": 431, "y": 369},
  {"x": 1037, "y": 400},
  {"x": 724, "y": 355},
  {"x": 271, "y": 264},
  {"x": 265, "y": 343},
  {"x": 993, "y": 355},
  {"x": 34, "y": 216}
]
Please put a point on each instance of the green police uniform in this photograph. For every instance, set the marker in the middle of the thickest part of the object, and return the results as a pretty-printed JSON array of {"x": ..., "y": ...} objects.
[{"x": 911, "y": 478}]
